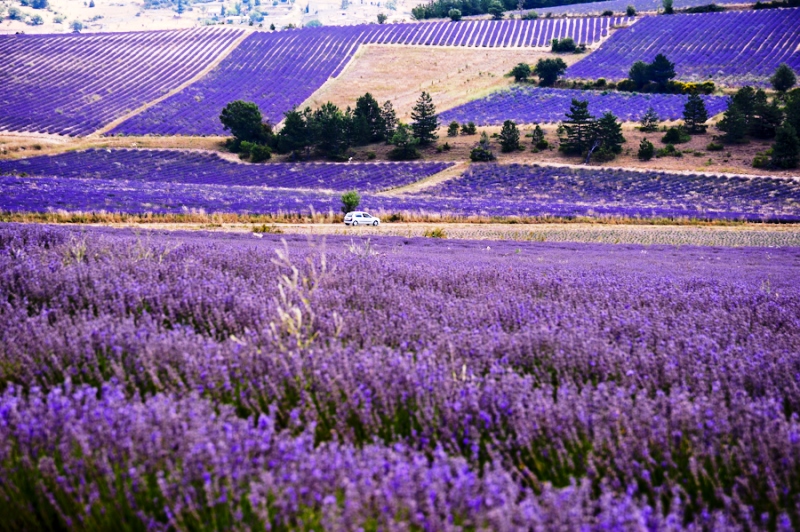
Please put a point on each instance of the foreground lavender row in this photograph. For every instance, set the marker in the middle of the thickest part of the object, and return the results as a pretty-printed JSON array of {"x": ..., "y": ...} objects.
[
  {"x": 279, "y": 71},
  {"x": 528, "y": 105},
  {"x": 75, "y": 84},
  {"x": 735, "y": 48},
  {"x": 188, "y": 167},
  {"x": 517, "y": 386},
  {"x": 488, "y": 191}
]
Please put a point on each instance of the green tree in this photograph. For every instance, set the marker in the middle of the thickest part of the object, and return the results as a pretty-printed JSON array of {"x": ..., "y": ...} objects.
[
  {"x": 452, "y": 129},
  {"x": 607, "y": 136},
  {"x": 649, "y": 122},
  {"x": 425, "y": 119},
  {"x": 496, "y": 10},
  {"x": 405, "y": 144},
  {"x": 745, "y": 100},
  {"x": 294, "y": 137},
  {"x": 786, "y": 150},
  {"x": 382, "y": 18},
  {"x": 630, "y": 11},
  {"x": 244, "y": 121},
  {"x": 538, "y": 140},
  {"x": 668, "y": 9},
  {"x": 783, "y": 79},
  {"x": 389, "y": 119},
  {"x": 350, "y": 201},
  {"x": 469, "y": 129},
  {"x": 329, "y": 126},
  {"x": 509, "y": 137},
  {"x": 260, "y": 153},
  {"x": 521, "y": 72},
  {"x": 733, "y": 125},
  {"x": 549, "y": 70},
  {"x": 180, "y": 8},
  {"x": 661, "y": 70},
  {"x": 792, "y": 109},
  {"x": 639, "y": 74},
  {"x": 76, "y": 25},
  {"x": 578, "y": 128},
  {"x": 646, "y": 150},
  {"x": 482, "y": 152},
  {"x": 454, "y": 14},
  {"x": 766, "y": 120},
  {"x": 368, "y": 111},
  {"x": 695, "y": 114}
]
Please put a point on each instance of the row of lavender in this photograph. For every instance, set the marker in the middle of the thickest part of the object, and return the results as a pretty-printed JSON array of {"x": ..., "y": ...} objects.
[
  {"x": 175, "y": 167},
  {"x": 620, "y": 6},
  {"x": 736, "y": 48},
  {"x": 185, "y": 181},
  {"x": 280, "y": 71},
  {"x": 76, "y": 84},
  {"x": 528, "y": 105},
  {"x": 511, "y": 387}
]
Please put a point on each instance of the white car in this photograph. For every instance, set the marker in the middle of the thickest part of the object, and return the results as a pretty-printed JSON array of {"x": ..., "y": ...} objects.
[{"x": 360, "y": 218}]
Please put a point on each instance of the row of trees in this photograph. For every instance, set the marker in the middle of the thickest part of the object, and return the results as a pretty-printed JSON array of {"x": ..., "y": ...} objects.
[
  {"x": 442, "y": 8},
  {"x": 548, "y": 71},
  {"x": 329, "y": 131},
  {"x": 584, "y": 135}
]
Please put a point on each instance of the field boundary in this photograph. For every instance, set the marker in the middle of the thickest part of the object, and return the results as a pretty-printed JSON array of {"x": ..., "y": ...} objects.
[
  {"x": 432, "y": 180},
  {"x": 200, "y": 75}
]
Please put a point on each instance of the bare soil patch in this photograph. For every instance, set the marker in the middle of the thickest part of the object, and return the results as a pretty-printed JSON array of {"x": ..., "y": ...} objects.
[{"x": 452, "y": 75}]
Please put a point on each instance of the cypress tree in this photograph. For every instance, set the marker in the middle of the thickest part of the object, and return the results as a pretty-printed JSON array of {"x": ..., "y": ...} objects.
[
  {"x": 577, "y": 128},
  {"x": 425, "y": 120},
  {"x": 695, "y": 115},
  {"x": 786, "y": 150}
]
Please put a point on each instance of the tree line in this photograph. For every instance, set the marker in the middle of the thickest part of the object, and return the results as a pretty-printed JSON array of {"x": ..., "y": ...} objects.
[{"x": 329, "y": 131}]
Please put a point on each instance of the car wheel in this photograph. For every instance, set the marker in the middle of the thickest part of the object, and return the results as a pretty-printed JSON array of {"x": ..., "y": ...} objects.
[
  {"x": 375, "y": 223},
  {"x": 355, "y": 223}
]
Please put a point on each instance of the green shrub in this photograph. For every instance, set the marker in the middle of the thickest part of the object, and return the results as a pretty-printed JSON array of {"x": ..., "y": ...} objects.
[
  {"x": 646, "y": 150},
  {"x": 675, "y": 135},
  {"x": 260, "y": 153},
  {"x": 436, "y": 232},
  {"x": 350, "y": 201},
  {"x": 371, "y": 155},
  {"x": 713, "y": 146},
  {"x": 469, "y": 129},
  {"x": 669, "y": 151},
  {"x": 452, "y": 129}
]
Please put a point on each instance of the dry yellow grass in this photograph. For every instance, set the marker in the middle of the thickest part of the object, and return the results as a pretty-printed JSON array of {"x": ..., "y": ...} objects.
[{"x": 451, "y": 75}]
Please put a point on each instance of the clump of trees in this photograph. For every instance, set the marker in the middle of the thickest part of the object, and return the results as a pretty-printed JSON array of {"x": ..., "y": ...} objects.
[
  {"x": 441, "y": 8},
  {"x": 509, "y": 137},
  {"x": 752, "y": 115},
  {"x": 482, "y": 152},
  {"x": 549, "y": 70},
  {"x": 584, "y": 135},
  {"x": 566, "y": 45},
  {"x": 329, "y": 131}
]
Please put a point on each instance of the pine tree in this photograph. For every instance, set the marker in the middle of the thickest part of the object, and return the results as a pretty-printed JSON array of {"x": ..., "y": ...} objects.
[
  {"x": 405, "y": 144},
  {"x": 368, "y": 112},
  {"x": 389, "y": 118},
  {"x": 786, "y": 150},
  {"x": 661, "y": 70},
  {"x": 509, "y": 137},
  {"x": 646, "y": 150},
  {"x": 767, "y": 118},
  {"x": 793, "y": 109},
  {"x": 733, "y": 124},
  {"x": 425, "y": 120},
  {"x": 695, "y": 114},
  {"x": 783, "y": 79},
  {"x": 745, "y": 100},
  {"x": 538, "y": 140},
  {"x": 577, "y": 128},
  {"x": 607, "y": 136},
  {"x": 649, "y": 121},
  {"x": 294, "y": 137}
]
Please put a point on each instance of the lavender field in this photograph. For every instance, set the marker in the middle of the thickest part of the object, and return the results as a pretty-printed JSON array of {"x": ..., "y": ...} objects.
[
  {"x": 76, "y": 84},
  {"x": 528, "y": 105},
  {"x": 179, "y": 167},
  {"x": 188, "y": 380},
  {"x": 733, "y": 48},
  {"x": 167, "y": 183},
  {"x": 619, "y": 6},
  {"x": 279, "y": 71}
]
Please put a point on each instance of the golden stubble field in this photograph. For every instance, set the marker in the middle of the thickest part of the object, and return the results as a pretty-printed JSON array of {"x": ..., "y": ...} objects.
[{"x": 452, "y": 75}]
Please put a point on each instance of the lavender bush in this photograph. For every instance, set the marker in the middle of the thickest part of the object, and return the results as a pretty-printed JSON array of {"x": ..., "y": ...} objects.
[
  {"x": 206, "y": 381},
  {"x": 178, "y": 167},
  {"x": 527, "y": 105},
  {"x": 735, "y": 48},
  {"x": 76, "y": 84}
]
